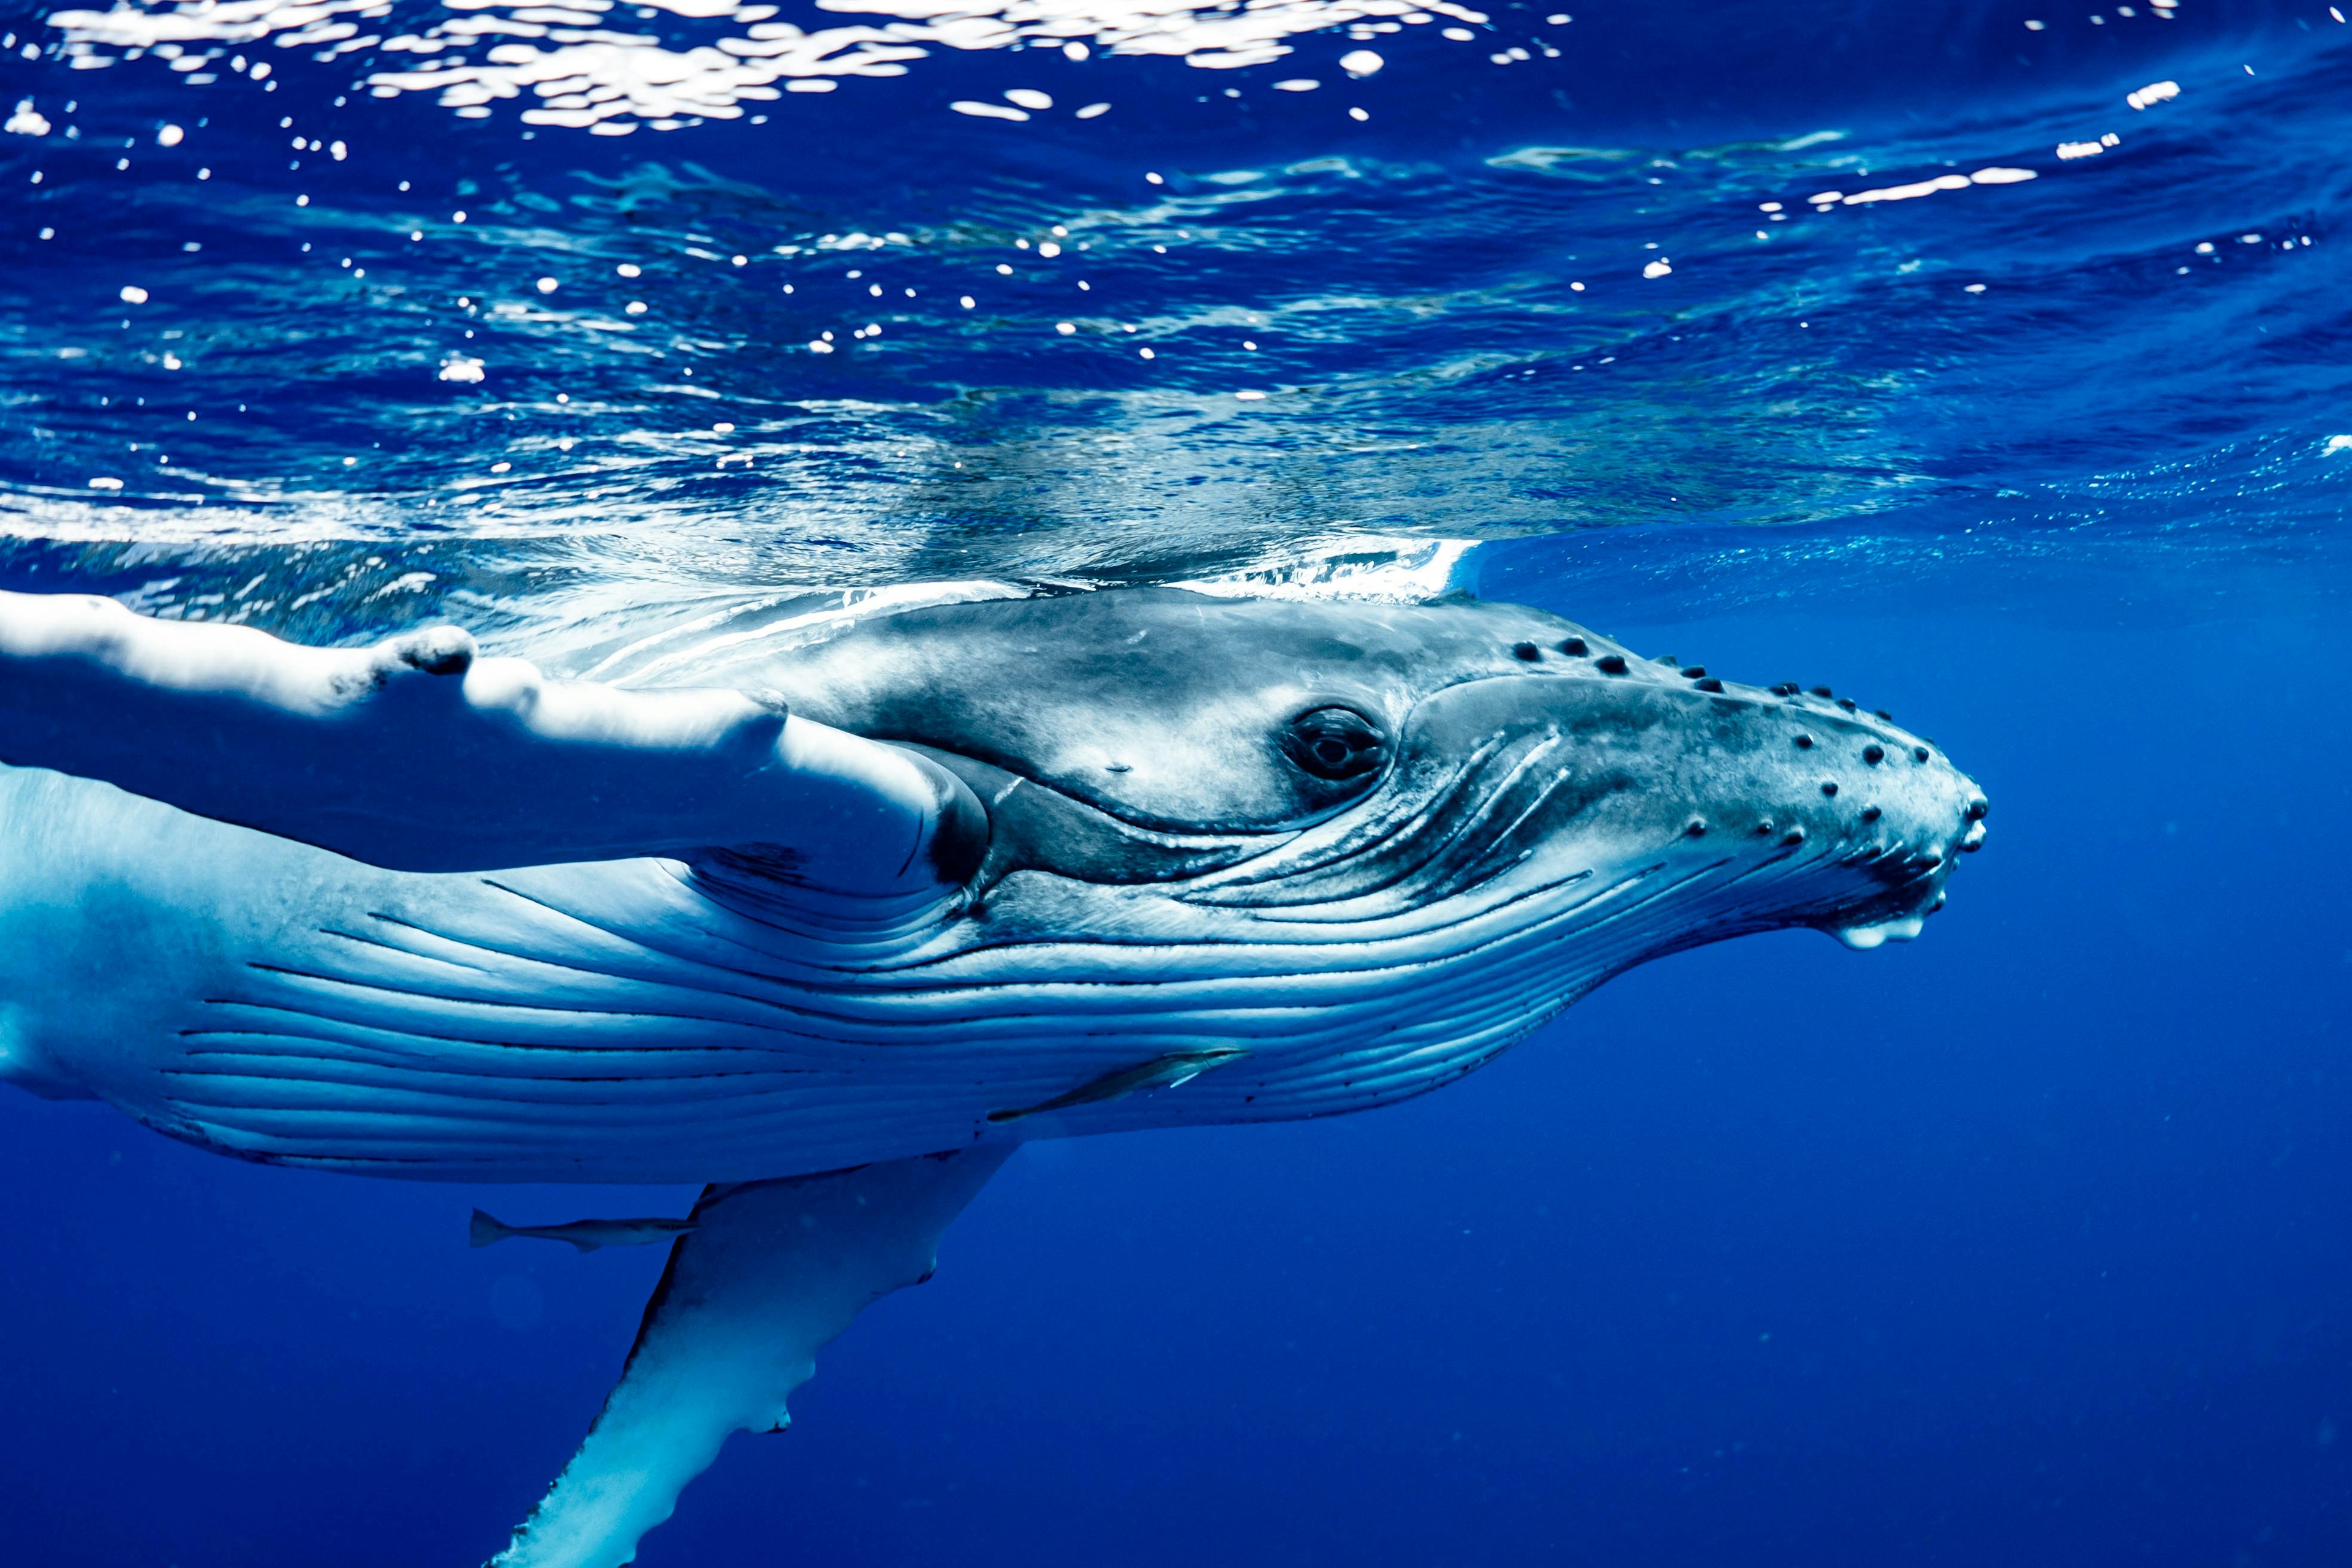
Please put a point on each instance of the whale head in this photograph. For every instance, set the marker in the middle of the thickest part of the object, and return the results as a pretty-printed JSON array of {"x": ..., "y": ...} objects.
[{"x": 1419, "y": 828}]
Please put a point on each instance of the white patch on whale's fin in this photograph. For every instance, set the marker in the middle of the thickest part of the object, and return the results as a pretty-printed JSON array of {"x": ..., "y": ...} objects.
[
  {"x": 774, "y": 1271},
  {"x": 417, "y": 755}
]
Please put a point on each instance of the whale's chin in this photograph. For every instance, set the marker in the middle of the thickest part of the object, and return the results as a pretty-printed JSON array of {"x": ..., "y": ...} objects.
[{"x": 1863, "y": 938}]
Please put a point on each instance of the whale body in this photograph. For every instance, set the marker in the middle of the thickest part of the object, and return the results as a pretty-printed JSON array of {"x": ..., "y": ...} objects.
[{"x": 833, "y": 927}]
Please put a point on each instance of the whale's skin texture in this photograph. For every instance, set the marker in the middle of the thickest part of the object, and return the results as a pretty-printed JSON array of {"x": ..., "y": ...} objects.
[{"x": 1163, "y": 876}]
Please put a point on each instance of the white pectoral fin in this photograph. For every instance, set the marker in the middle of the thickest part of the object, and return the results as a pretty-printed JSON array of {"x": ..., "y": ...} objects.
[
  {"x": 774, "y": 1271},
  {"x": 418, "y": 756}
]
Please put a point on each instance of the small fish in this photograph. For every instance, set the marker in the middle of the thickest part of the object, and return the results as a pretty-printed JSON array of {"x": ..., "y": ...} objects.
[
  {"x": 1159, "y": 1073},
  {"x": 587, "y": 1235}
]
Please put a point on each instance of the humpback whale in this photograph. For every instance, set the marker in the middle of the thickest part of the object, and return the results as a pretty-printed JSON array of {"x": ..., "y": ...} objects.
[{"x": 833, "y": 928}]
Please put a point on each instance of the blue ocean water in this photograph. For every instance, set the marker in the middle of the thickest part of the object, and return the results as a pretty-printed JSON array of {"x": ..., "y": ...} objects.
[{"x": 1738, "y": 331}]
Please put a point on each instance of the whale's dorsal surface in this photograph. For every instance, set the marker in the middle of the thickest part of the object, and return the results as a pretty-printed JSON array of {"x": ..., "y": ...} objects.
[{"x": 833, "y": 927}]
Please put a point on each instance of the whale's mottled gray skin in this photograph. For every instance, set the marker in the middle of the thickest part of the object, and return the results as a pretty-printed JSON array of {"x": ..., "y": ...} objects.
[{"x": 1166, "y": 870}]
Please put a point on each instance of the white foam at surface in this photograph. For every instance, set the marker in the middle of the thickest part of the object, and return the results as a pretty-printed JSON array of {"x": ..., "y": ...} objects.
[
  {"x": 1910, "y": 192},
  {"x": 1362, "y": 566},
  {"x": 589, "y": 77}
]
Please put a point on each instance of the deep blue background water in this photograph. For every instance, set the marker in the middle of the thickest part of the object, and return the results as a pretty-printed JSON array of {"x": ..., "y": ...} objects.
[{"x": 2029, "y": 1243}]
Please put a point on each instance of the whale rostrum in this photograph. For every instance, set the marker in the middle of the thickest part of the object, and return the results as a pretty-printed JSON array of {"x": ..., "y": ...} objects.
[{"x": 798, "y": 921}]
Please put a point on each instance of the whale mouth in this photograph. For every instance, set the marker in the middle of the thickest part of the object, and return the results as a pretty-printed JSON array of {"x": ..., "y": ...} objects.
[
  {"x": 1900, "y": 914},
  {"x": 1926, "y": 887}
]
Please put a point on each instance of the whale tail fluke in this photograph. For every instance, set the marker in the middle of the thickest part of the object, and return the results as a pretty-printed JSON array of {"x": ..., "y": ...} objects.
[{"x": 482, "y": 1230}]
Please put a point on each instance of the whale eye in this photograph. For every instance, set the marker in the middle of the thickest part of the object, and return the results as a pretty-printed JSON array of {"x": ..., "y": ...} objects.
[{"x": 1335, "y": 744}]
